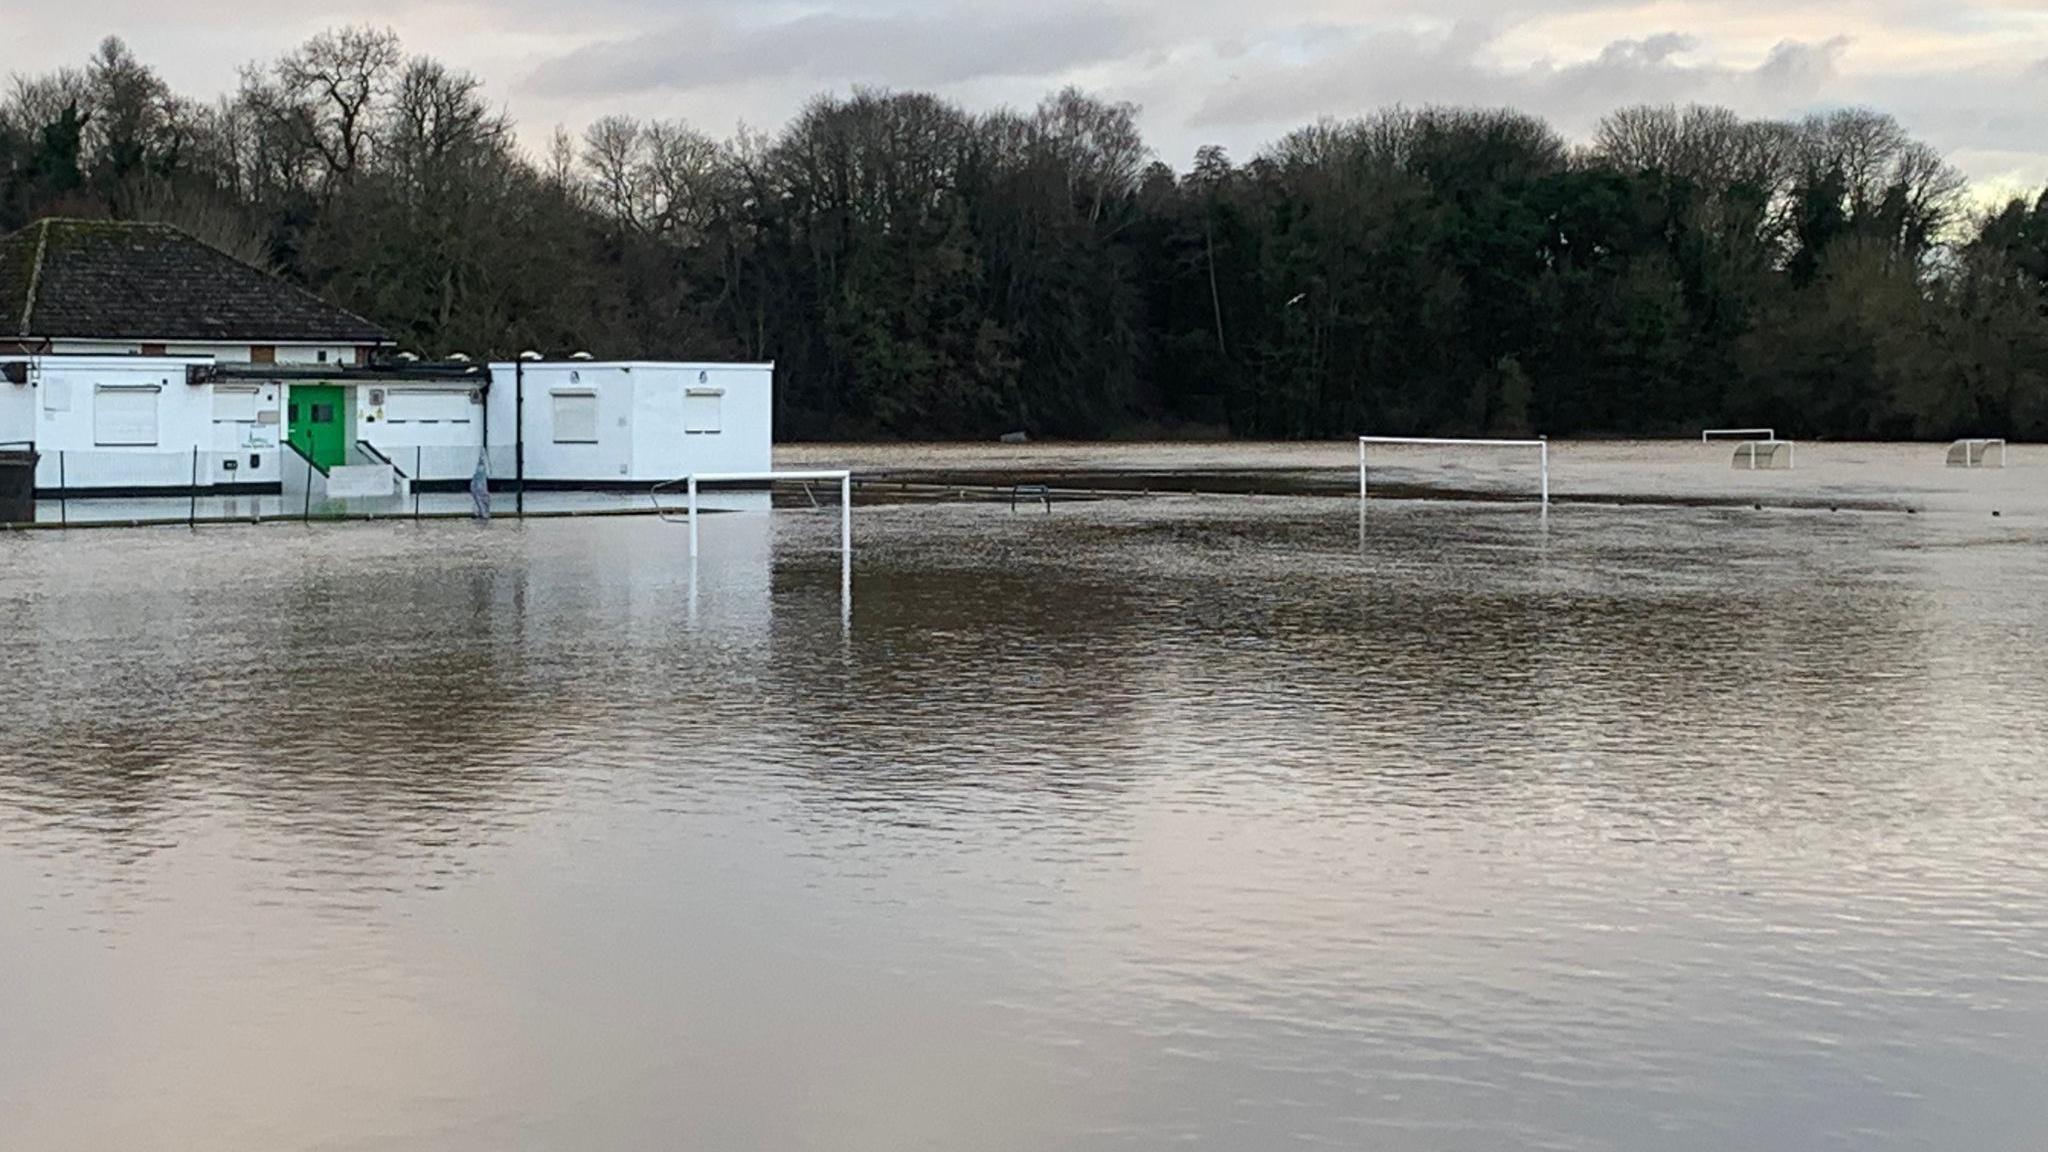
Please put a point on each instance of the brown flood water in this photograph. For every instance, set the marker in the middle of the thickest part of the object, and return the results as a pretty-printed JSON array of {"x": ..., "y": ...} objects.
[{"x": 1220, "y": 822}]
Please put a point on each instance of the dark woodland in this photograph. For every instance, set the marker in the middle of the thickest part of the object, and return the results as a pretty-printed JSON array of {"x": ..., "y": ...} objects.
[{"x": 919, "y": 270}]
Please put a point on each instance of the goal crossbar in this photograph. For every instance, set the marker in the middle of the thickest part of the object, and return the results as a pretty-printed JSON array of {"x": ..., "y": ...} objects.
[
  {"x": 1542, "y": 446},
  {"x": 691, "y": 481}
]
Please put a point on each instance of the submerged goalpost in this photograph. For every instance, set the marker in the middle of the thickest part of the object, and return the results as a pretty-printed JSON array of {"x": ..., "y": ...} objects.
[
  {"x": 1975, "y": 454},
  {"x": 845, "y": 479},
  {"x": 1541, "y": 445},
  {"x": 1759, "y": 448}
]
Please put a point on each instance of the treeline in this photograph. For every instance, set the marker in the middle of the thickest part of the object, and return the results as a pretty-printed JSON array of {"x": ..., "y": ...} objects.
[{"x": 919, "y": 270}]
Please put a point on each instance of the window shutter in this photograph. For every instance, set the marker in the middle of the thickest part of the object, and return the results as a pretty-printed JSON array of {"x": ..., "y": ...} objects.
[
  {"x": 124, "y": 416},
  {"x": 575, "y": 417}
]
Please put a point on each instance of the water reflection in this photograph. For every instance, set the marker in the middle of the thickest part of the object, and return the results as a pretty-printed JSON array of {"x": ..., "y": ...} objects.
[{"x": 1136, "y": 824}]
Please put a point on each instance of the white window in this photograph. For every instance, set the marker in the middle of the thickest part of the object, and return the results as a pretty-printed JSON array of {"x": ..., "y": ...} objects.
[
  {"x": 234, "y": 405},
  {"x": 575, "y": 417},
  {"x": 701, "y": 409},
  {"x": 124, "y": 415}
]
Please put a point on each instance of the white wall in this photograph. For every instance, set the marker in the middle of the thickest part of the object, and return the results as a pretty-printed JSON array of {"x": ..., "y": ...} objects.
[
  {"x": 609, "y": 460},
  {"x": 248, "y": 428},
  {"x": 17, "y": 411},
  {"x": 641, "y": 437},
  {"x": 66, "y": 396},
  {"x": 431, "y": 431},
  {"x": 220, "y": 353},
  {"x": 664, "y": 448}
]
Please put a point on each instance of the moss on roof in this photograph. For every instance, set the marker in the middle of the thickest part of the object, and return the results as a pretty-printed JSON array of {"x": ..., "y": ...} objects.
[{"x": 127, "y": 280}]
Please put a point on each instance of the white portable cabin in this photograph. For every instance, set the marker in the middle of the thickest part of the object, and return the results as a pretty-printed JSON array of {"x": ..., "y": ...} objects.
[
  {"x": 590, "y": 423},
  {"x": 139, "y": 423}
]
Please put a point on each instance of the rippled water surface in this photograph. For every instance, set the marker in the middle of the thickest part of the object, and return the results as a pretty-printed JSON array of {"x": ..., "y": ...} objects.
[{"x": 1213, "y": 821}]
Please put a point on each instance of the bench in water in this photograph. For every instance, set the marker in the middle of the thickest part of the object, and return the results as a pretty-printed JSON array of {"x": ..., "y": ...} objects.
[{"x": 1039, "y": 492}]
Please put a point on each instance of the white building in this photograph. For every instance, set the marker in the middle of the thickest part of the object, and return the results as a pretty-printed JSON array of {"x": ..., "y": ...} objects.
[
  {"x": 139, "y": 423},
  {"x": 426, "y": 420},
  {"x": 589, "y": 423},
  {"x": 137, "y": 358}
]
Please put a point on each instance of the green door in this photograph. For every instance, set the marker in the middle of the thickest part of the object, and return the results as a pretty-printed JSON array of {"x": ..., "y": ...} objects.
[{"x": 313, "y": 421}]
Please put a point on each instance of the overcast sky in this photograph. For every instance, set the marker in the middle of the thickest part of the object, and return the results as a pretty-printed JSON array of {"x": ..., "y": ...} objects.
[{"x": 1969, "y": 76}]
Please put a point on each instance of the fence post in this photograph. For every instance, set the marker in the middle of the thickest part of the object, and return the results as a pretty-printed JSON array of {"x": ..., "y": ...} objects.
[
  {"x": 306, "y": 513},
  {"x": 1546, "y": 473},
  {"x": 192, "y": 509},
  {"x": 419, "y": 454},
  {"x": 63, "y": 498}
]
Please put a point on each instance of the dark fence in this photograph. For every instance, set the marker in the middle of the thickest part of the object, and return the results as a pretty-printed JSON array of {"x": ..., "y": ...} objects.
[{"x": 142, "y": 486}]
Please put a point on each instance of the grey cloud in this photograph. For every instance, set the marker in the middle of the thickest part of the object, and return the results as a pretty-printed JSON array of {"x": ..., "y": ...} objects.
[
  {"x": 1399, "y": 67},
  {"x": 950, "y": 46},
  {"x": 1800, "y": 70},
  {"x": 1965, "y": 75},
  {"x": 1651, "y": 52},
  {"x": 1959, "y": 110}
]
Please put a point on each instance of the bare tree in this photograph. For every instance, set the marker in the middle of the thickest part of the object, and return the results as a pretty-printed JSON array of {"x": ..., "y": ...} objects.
[
  {"x": 560, "y": 164},
  {"x": 1098, "y": 144},
  {"x": 281, "y": 153},
  {"x": 677, "y": 177},
  {"x": 438, "y": 127},
  {"x": 1888, "y": 181},
  {"x": 337, "y": 78},
  {"x": 33, "y": 101},
  {"x": 129, "y": 105},
  {"x": 611, "y": 156}
]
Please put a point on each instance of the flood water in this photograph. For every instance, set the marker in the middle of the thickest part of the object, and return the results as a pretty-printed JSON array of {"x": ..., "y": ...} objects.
[{"x": 1221, "y": 822}]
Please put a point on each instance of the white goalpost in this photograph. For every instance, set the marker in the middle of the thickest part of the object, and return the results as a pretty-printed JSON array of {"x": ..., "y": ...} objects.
[
  {"x": 1745, "y": 433},
  {"x": 1975, "y": 454},
  {"x": 844, "y": 478},
  {"x": 1760, "y": 447},
  {"x": 1541, "y": 445},
  {"x": 690, "y": 482}
]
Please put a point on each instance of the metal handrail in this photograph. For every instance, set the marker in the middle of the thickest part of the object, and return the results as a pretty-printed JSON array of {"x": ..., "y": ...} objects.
[
  {"x": 374, "y": 452},
  {"x": 301, "y": 454}
]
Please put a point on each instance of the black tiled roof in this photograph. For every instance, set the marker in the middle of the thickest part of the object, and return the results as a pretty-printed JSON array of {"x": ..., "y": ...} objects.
[{"x": 120, "y": 280}]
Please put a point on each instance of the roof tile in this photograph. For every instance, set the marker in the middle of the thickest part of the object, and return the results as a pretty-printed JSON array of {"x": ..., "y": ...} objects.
[{"x": 121, "y": 280}]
